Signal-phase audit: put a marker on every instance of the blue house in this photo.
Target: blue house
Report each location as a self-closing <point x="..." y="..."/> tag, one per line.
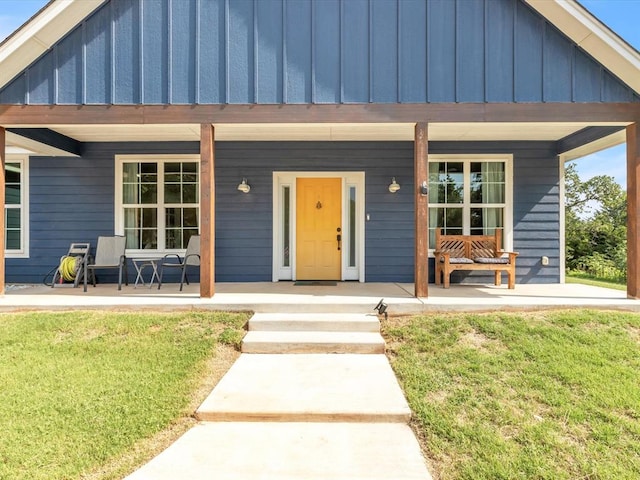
<point x="300" y="137"/>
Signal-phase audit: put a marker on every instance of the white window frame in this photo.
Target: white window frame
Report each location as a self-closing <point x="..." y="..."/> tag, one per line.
<point x="349" y="179"/>
<point x="160" y="205"/>
<point x="23" y="251"/>
<point x="466" y="206"/>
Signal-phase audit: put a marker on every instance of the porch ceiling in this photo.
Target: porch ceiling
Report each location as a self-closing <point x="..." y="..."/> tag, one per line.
<point x="322" y="131"/>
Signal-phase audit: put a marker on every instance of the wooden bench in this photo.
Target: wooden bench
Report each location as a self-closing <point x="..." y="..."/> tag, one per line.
<point x="473" y="252"/>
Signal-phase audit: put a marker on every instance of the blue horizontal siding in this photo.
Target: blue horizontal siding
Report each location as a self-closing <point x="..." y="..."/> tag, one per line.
<point x="248" y="218"/>
<point x="72" y="200"/>
<point x="314" y="51"/>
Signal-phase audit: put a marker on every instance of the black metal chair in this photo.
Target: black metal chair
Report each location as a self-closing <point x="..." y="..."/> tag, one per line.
<point x="191" y="258"/>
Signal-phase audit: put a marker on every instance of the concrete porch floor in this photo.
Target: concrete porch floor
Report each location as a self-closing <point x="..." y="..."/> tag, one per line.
<point x="344" y="297"/>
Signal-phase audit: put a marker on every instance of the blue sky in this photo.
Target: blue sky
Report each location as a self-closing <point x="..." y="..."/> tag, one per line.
<point x="622" y="16"/>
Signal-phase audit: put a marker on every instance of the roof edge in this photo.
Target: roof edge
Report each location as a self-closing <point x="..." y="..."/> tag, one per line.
<point x="593" y="36"/>
<point x="40" y="33"/>
<point x="596" y="146"/>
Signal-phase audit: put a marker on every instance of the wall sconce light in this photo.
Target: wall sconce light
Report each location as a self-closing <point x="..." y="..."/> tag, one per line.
<point x="381" y="308"/>
<point x="424" y="188"/>
<point x="394" y="186"/>
<point x="244" y="187"/>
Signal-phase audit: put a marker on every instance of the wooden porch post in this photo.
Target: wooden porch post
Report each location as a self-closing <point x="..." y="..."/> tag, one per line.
<point x="633" y="210"/>
<point x="207" y="211"/>
<point x="420" y="169"/>
<point x="3" y="161"/>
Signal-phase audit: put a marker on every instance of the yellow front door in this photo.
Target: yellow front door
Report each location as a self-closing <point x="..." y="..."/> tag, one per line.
<point x="318" y="228"/>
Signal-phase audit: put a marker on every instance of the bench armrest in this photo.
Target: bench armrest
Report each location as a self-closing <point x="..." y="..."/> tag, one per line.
<point x="512" y="255"/>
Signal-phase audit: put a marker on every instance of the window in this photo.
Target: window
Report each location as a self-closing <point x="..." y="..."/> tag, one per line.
<point x="353" y="219"/>
<point x="15" y="207"/>
<point x="286" y="225"/>
<point x="159" y="206"/>
<point x="469" y="196"/>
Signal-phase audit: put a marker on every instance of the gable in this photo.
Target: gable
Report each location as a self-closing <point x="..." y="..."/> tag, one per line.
<point x="310" y="51"/>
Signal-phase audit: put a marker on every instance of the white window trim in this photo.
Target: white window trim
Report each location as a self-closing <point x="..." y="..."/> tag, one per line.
<point x="507" y="235"/>
<point x="118" y="204"/>
<point x="24" y="206"/>
<point x="349" y="179"/>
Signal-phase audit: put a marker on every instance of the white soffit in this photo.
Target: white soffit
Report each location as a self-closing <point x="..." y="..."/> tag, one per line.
<point x="453" y="132"/>
<point x="323" y="132"/>
<point x="594" y="37"/>
<point x="40" y="33"/>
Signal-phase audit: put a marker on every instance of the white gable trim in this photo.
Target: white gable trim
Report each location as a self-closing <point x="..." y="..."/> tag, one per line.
<point x="594" y="37"/>
<point x="40" y="33"/>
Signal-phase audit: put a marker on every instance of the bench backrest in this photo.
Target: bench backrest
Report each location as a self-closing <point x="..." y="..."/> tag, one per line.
<point x="469" y="246"/>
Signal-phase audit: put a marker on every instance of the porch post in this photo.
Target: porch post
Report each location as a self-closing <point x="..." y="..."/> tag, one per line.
<point x="420" y="169"/>
<point x="633" y="210"/>
<point x="207" y="211"/>
<point x="3" y="160"/>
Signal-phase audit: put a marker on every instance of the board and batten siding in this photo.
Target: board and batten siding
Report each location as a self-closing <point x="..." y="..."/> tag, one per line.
<point x="314" y="51"/>
<point x="72" y="200"/>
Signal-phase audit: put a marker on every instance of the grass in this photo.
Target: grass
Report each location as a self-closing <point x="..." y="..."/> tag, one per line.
<point x="545" y="395"/>
<point x="81" y="391"/>
<point x="576" y="277"/>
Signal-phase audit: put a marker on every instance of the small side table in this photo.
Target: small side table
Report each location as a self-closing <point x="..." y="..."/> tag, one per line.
<point x="140" y="264"/>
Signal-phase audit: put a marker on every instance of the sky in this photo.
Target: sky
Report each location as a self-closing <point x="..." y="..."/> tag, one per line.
<point x="621" y="16"/>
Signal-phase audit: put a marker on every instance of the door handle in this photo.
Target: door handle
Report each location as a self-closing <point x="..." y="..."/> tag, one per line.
<point x="339" y="239"/>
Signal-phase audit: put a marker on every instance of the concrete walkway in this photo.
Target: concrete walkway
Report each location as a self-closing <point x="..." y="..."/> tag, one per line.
<point x="300" y="416"/>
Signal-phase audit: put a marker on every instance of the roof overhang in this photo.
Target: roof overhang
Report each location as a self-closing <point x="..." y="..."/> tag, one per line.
<point x="593" y="36"/>
<point x="40" y="33"/>
<point x="520" y="131"/>
<point x="438" y="132"/>
<point x="23" y="145"/>
<point x="598" y="145"/>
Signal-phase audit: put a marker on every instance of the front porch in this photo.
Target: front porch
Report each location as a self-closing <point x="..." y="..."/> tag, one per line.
<point x="343" y="297"/>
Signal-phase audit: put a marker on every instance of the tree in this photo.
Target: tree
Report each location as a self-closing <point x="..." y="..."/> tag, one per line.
<point x="596" y="225"/>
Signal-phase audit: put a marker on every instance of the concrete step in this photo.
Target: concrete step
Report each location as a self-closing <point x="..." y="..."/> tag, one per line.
<point x="307" y="388"/>
<point x="313" y="342"/>
<point x="318" y="322"/>
<point x="287" y="451"/>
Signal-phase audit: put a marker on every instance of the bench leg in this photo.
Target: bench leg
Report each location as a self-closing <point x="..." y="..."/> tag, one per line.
<point x="498" y="277"/>
<point x="438" y="274"/>
<point x="447" y="279"/>
<point x="512" y="279"/>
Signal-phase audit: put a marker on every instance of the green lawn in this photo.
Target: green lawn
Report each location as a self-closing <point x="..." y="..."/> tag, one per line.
<point x="545" y="395"/>
<point x="80" y="389"/>
<point x="574" y="277"/>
